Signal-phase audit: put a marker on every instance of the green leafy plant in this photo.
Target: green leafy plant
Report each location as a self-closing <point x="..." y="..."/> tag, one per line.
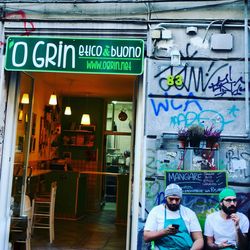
<point x="196" y="131"/>
<point x="196" y="134"/>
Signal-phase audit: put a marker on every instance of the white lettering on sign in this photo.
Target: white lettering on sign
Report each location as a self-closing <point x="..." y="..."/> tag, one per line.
<point x="125" y="51"/>
<point x="109" y="51"/>
<point x="51" y="53"/>
<point x="185" y="177"/>
<point x="54" y="55"/>
<point x="65" y="55"/>
<point x="36" y="60"/>
<point x="89" y="50"/>
<point x="78" y="55"/>
<point x="59" y="59"/>
<point x="25" y="54"/>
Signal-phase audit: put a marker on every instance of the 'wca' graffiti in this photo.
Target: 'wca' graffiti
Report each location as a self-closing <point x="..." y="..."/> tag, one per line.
<point x="190" y="111"/>
<point x="169" y="104"/>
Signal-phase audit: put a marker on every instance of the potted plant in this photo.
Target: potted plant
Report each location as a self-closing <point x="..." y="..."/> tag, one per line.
<point x="212" y="136"/>
<point x="183" y="137"/>
<point x="196" y="134"/>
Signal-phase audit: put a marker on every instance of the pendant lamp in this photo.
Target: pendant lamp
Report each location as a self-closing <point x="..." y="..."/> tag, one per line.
<point x="67" y="110"/>
<point x="85" y="119"/>
<point x="53" y="100"/>
<point x="25" y="98"/>
<point x="20" y="115"/>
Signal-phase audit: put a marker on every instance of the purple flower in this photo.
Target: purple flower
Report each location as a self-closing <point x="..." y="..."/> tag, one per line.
<point x="212" y="132"/>
<point x="183" y="133"/>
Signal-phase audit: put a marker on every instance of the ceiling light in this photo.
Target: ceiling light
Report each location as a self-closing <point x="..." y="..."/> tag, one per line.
<point x="67" y="110"/>
<point x="25" y="99"/>
<point x="85" y="119"/>
<point x="20" y="116"/>
<point x="53" y="100"/>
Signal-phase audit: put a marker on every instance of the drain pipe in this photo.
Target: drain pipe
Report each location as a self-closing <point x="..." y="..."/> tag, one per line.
<point x="246" y="66"/>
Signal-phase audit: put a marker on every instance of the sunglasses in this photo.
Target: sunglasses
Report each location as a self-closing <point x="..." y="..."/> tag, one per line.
<point x="173" y="199"/>
<point x="230" y="200"/>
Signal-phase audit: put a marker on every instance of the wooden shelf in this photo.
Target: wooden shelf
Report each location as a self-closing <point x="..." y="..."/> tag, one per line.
<point x="197" y="148"/>
<point x="82" y="128"/>
<point x="78" y="131"/>
<point x="75" y="145"/>
<point x="80" y="137"/>
<point x="117" y="133"/>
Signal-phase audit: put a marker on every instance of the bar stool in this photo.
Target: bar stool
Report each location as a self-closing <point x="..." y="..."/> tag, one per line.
<point x="43" y="209"/>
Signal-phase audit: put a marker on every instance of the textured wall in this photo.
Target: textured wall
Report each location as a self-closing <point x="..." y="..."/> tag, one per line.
<point x="210" y="91"/>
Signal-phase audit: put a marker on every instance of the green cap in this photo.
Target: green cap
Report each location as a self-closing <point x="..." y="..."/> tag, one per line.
<point x="226" y="192"/>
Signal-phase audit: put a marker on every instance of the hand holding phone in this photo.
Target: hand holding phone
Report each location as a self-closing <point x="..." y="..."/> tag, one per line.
<point x="172" y="228"/>
<point x="176" y="226"/>
<point x="231" y="244"/>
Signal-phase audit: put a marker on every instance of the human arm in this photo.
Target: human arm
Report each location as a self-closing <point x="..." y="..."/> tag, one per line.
<point x="195" y="231"/>
<point x="198" y="241"/>
<point x="154" y="226"/>
<point x="154" y="235"/>
<point x="241" y="238"/>
<point x="210" y="232"/>
<point x="211" y="245"/>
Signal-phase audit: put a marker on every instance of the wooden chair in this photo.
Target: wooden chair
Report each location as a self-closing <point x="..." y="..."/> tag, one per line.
<point x="43" y="209"/>
<point x="20" y="230"/>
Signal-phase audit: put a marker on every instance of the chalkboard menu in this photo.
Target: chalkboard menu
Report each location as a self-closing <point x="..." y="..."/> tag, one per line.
<point x="198" y="182"/>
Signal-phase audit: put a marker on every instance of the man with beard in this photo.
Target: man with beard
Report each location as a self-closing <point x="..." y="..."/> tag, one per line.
<point x="227" y="229"/>
<point x="173" y="226"/>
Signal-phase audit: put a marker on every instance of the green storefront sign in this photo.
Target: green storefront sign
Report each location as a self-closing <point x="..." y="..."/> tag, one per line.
<point x="75" y="55"/>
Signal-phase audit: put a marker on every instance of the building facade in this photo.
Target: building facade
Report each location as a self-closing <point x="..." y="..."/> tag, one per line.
<point x="195" y="71"/>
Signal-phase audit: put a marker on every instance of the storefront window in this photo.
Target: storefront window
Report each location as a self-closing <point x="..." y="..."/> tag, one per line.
<point x="25" y="143"/>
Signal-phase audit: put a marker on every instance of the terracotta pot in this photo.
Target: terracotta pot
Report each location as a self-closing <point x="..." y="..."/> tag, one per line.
<point x="211" y="141"/>
<point x="195" y="143"/>
<point x="183" y="143"/>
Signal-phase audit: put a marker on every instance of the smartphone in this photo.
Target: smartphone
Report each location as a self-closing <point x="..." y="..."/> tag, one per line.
<point x="176" y="226"/>
<point x="231" y="244"/>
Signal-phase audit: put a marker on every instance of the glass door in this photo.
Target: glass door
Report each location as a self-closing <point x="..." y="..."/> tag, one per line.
<point x="23" y="143"/>
<point x="117" y="145"/>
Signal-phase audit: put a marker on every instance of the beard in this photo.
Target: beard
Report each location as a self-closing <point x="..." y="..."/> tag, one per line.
<point x="173" y="207"/>
<point x="229" y="210"/>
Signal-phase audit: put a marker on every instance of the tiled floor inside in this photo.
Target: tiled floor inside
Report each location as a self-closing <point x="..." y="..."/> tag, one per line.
<point x="94" y="231"/>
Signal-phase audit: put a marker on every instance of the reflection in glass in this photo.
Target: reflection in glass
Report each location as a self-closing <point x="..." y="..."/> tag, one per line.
<point x="22" y="143"/>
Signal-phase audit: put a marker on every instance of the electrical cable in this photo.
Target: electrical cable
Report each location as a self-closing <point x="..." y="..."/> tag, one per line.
<point x="108" y="1"/>
<point x="208" y="27"/>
